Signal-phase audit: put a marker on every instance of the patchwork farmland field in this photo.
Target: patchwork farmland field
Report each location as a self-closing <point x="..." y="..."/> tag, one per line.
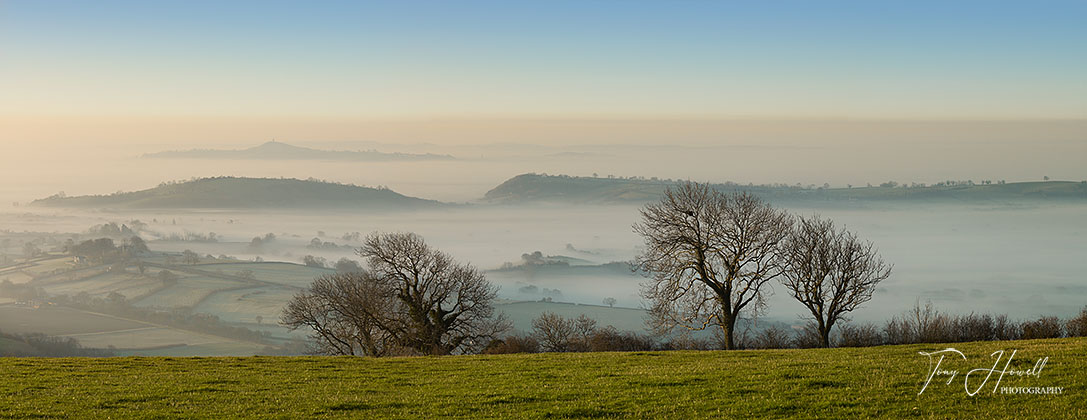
<point x="59" y="321"/>
<point x="128" y="283"/>
<point x="287" y="274"/>
<point x="245" y="305"/>
<point x="215" y="288"/>
<point x="20" y="273"/>
<point x="129" y="337"/>
<point x="188" y="292"/>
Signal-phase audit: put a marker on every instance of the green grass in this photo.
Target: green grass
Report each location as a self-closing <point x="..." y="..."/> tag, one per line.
<point x="830" y="383"/>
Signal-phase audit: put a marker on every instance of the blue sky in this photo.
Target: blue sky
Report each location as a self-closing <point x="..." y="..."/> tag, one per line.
<point x="805" y="59"/>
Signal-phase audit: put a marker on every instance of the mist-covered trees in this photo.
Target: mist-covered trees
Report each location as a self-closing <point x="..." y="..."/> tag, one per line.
<point x="344" y="265"/>
<point x="190" y="257"/>
<point x="829" y="271"/>
<point x="30" y="250"/>
<point x="314" y="261"/>
<point x="412" y="299"/>
<point x="709" y="256"/>
<point x="96" y="250"/>
<point x="136" y="246"/>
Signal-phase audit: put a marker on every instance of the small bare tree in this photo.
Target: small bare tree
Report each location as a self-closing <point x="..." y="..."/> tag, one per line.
<point x="346" y="313"/>
<point x="829" y="271"/>
<point x="558" y="334"/>
<point x="709" y="255"/>
<point x="443" y="306"/>
<point x="553" y="332"/>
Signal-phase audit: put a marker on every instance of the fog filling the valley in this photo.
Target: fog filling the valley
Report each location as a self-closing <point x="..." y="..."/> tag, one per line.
<point x="1023" y="260"/>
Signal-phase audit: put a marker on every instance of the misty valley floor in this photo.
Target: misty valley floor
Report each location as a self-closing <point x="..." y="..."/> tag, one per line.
<point x="839" y="383"/>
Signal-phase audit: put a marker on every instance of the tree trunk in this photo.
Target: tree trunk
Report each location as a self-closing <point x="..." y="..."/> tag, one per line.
<point x="728" y="327"/>
<point x="824" y="332"/>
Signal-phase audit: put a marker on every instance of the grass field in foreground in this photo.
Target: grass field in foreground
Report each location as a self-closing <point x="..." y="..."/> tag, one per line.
<point x="826" y="383"/>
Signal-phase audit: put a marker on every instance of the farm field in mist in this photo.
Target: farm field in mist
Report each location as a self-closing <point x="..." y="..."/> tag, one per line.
<point x="1020" y="260"/>
<point x="980" y="258"/>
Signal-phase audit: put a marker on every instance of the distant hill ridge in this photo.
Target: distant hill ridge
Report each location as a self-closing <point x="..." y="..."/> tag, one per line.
<point x="585" y="190"/>
<point x="275" y="150"/>
<point x="232" y="192"/>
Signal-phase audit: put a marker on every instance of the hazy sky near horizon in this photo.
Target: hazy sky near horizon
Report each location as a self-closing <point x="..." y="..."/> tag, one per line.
<point x="134" y="60"/>
<point x="848" y="92"/>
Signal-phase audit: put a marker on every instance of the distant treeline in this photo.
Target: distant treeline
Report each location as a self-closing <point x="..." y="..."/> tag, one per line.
<point x="41" y="345"/>
<point x="922" y="324"/>
<point x="572" y="189"/>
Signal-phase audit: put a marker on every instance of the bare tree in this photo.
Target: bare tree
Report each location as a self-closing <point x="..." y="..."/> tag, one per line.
<point x="443" y="306"/>
<point x="709" y="255"/>
<point x="412" y="300"/>
<point x="553" y="332"/>
<point x="829" y="271"/>
<point x="610" y="301"/>
<point x="558" y="334"/>
<point x="345" y="311"/>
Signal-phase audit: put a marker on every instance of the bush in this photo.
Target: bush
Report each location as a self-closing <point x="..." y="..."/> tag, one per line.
<point x="862" y="335"/>
<point x="974" y="328"/>
<point x="1077" y="326"/>
<point x="930" y="326"/>
<point x="558" y="334"/>
<point x="686" y="342"/>
<point x="1003" y="329"/>
<point x="1044" y="327"/>
<point x="772" y="337"/>
<point x="808" y="337"/>
<point x="512" y="344"/>
<point x="610" y="339"/>
<point x="899" y="331"/>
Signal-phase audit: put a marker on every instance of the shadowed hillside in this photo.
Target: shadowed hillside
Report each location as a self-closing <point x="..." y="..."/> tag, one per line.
<point x="264" y="193"/>
<point x="584" y="190"/>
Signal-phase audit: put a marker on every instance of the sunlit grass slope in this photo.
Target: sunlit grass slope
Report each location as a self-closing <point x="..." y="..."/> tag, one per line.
<point x="831" y="383"/>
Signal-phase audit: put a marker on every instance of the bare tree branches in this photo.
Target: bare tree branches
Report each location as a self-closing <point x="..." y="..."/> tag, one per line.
<point x="829" y="271"/>
<point x="446" y="306"/>
<point x="345" y="312"/>
<point x="413" y="299"/>
<point x="709" y="254"/>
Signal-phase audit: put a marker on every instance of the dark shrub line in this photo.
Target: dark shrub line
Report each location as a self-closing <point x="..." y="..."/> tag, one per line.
<point x="922" y="324"/>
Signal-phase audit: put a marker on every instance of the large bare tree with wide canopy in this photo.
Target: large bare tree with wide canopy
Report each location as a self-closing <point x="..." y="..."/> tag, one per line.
<point x="710" y="256"/>
<point x="411" y="299"/>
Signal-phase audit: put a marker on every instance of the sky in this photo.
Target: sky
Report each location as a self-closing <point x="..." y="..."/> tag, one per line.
<point x="866" y="82"/>
<point x="579" y="59"/>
